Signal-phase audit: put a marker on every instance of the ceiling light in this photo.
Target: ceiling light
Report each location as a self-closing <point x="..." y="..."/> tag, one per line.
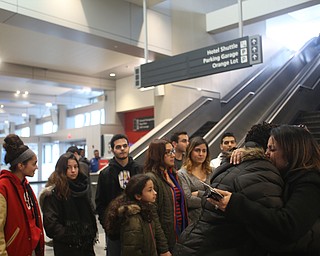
<point x="24" y="115"/>
<point x="48" y="104"/>
<point x="112" y="74"/>
<point x="1" y="106"/>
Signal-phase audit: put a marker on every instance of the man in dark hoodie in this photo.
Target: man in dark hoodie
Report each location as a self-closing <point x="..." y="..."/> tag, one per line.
<point x="113" y="180"/>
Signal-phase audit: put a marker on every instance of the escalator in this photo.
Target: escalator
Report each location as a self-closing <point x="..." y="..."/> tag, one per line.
<point x="254" y="100"/>
<point x="278" y="100"/>
<point x="204" y="110"/>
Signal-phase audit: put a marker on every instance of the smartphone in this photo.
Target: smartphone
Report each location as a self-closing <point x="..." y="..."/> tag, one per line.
<point x="214" y="194"/>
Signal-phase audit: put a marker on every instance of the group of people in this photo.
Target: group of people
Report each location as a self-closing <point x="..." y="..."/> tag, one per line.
<point x="269" y="204"/>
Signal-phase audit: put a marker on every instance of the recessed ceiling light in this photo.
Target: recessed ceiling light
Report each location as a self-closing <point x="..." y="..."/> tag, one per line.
<point x="112" y="74"/>
<point x="25" y="94"/>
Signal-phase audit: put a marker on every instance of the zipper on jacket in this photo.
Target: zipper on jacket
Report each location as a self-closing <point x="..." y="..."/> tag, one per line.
<point x="14" y="235"/>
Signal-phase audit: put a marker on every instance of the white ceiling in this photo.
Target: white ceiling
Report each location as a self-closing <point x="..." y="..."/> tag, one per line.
<point x="33" y="49"/>
<point x="27" y="54"/>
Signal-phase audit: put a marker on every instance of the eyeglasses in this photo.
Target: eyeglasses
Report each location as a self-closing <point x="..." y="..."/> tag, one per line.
<point x="170" y="152"/>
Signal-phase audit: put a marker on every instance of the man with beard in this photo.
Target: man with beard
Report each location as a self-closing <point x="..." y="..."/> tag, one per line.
<point x="113" y="180"/>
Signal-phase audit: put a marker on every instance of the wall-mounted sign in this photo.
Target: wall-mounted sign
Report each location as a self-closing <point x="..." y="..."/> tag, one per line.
<point x="143" y="124"/>
<point x="235" y="54"/>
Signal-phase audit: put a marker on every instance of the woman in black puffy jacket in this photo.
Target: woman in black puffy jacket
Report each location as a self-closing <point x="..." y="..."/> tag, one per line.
<point x="258" y="179"/>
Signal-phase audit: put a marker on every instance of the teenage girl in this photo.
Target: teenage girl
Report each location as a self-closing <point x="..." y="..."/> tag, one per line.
<point x="68" y="216"/>
<point x="21" y="231"/>
<point x="129" y="217"/>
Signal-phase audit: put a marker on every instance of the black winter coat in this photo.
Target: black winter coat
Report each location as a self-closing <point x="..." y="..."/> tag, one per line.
<point x="70" y="222"/>
<point x="295" y="228"/>
<point x="108" y="187"/>
<point x="213" y="234"/>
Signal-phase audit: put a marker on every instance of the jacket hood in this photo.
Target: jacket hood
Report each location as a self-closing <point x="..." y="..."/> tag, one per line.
<point x="45" y="192"/>
<point x="254" y="153"/>
<point x="127" y="210"/>
<point x="250" y="153"/>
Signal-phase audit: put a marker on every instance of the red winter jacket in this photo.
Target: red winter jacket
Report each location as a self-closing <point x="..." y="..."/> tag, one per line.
<point x="21" y="230"/>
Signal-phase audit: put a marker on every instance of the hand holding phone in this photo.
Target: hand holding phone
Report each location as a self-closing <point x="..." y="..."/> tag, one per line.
<point x="214" y="194"/>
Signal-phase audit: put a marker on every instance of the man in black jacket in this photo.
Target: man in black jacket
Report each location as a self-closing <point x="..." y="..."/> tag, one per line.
<point x="113" y="180"/>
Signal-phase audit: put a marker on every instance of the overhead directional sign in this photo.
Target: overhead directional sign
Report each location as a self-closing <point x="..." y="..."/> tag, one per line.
<point x="235" y="54"/>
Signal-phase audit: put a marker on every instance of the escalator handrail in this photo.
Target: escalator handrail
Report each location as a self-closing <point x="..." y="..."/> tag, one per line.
<point x="285" y="99"/>
<point x="223" y="123"/>
<point x="233" y="113"/>
<point x="288" y="94"/>
<point x="279" y="71"/>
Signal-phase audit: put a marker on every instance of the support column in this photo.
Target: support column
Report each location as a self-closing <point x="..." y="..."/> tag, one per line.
<point x="32" y="125"/>
<point x="62" y="117"/>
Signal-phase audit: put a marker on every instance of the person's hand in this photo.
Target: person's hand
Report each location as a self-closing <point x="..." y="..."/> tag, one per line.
<point x="166" y="254"/>
<point x="236" y="156"/>
<point x="222" y="203"/>
<point x="195" y="193"/>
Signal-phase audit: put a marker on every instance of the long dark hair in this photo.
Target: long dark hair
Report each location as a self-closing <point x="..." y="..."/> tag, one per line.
<point x="134" y="187"/>
<point x="155" y="156"/>
<point x="299" y="147"/>
<point x="59" y="177"/>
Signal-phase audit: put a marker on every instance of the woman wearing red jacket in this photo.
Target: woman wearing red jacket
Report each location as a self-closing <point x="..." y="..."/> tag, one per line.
<point x="21" y="231"/>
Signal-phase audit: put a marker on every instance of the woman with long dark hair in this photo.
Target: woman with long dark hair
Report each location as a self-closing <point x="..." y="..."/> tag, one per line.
<point x="170" y="203"/>
<point x="68" y="216"/>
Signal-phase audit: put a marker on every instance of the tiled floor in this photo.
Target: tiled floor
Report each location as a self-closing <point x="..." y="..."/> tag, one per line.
<point x="99" y="247"/>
